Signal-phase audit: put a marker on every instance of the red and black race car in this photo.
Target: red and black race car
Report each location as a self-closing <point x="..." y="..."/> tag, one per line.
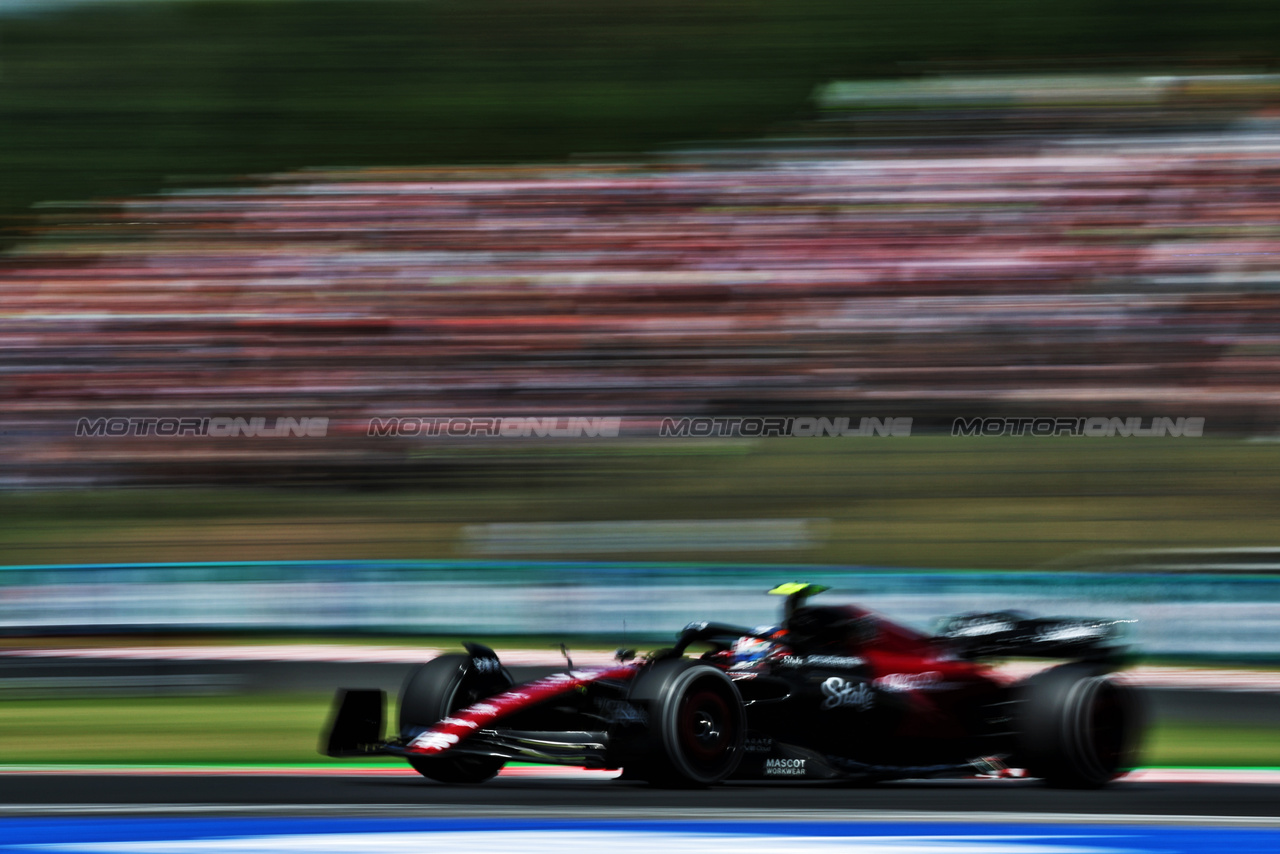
<point x="833" y="692"/>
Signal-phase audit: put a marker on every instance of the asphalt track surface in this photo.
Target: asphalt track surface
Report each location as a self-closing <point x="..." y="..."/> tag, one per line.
<point x="597" y="797"/>
<point x="591" y="796"/>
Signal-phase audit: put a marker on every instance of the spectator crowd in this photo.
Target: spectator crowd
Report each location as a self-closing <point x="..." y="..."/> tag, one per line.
<point x="1079" y="275"/>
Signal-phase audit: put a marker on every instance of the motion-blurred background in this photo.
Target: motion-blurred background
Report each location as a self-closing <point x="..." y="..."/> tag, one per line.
<point x="348" y="220"/>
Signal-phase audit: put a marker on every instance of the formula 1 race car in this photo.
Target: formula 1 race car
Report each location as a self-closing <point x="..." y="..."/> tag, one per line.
<point x="833" y="692"/>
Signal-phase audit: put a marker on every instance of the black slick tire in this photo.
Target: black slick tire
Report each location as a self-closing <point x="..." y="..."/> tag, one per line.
<point x="434" y="690"/>
<point x="697" y="725"/>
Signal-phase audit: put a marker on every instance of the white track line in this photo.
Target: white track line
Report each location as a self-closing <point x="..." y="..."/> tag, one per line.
<point x="718" y="814"/>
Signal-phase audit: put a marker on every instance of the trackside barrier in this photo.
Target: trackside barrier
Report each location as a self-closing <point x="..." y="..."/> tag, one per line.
<point x="1177" y="613"/>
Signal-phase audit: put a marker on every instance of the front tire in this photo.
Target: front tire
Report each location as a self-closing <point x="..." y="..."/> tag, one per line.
<point x="432" y="692"/>
<point x="697" y="725"/>
<point x="1078" y="728"/>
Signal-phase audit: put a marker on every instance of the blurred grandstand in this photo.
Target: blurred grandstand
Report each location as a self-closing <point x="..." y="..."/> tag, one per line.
<point x="1020" y="271"/>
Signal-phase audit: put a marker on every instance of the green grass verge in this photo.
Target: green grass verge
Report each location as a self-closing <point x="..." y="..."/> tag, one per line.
<point x="922" y="501"/>
<point x="163" y="730"/>
<point x="1212" y="745"/>
<point x="285" y="728"/>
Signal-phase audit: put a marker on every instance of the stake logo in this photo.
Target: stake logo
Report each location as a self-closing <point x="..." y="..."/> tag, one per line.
<point x="843" y="694"/>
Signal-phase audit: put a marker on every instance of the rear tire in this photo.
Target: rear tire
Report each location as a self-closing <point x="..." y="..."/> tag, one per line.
<point x="1077" y="727"/>
<point x="434" y="691"/>
<point x="697" y="725"/>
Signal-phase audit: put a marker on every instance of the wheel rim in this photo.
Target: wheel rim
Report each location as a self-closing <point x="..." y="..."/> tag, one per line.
<point x="706" y="727"/>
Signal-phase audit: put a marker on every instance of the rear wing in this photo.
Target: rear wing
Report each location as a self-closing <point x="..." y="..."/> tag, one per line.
<point x="797" y="593"/>
<point x="1015" y="634"/>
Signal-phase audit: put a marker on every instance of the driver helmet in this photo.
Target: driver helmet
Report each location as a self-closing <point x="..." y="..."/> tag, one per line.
<point x="748" y="651"/>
